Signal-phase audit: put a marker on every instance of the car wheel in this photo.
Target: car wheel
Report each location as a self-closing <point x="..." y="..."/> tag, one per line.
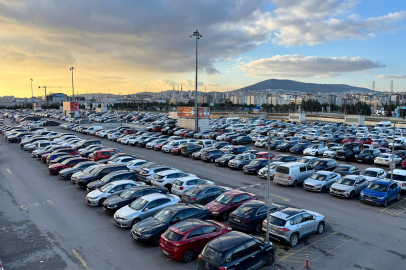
<point x="317" y="154"/>
<point x="294" y="239"/>
<point x="155" y="240"/>
<point x="294" y="183"/>
<point x="187" y="256"/>
<point x="101" y="201"/>
<point x="258" y="228"/>
<point x="70" y="175"/>
<point x="269" y="259"/>
<point x="352" y="195"/>
<point x="190" y="155"/>
<point x="204" y="202"/>
<point x="135" y="221"/>
<point x="320" y="228"/>
<point x="169" y="187"/>
<point x="211" y="160"/>
<point x="323" y="189"/>
<point x="225" y="216"/>
<point x="240" y="168"/>
<point x="385" y="203"/>
<point x="398" y="197"/>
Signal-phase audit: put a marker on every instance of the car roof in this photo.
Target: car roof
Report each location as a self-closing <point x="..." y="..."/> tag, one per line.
<point x="236" y="192"/>
<point x="254" y="203"/>
<point x="384" y="182"/>
<point x="373" y="169"/>
<point x="324" y="172"/>
<point x="169" y="172"/>
<point x="156" y="196"/>
<point x="287" y="213"/>
<point x="189" y="224"/>
<point x="229" y="241"/>
<point x="120" y="182"/>
<point x="400" y="172"/>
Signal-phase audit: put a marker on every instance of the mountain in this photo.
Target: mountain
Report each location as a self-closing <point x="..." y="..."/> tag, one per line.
<point x="312" y="88"/>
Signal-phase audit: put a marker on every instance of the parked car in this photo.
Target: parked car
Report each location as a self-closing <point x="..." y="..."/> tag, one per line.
<point x="240" y="161"/>
<point x="285" y="147"/>
<point x="112" y="177"/>
<point x="349" y="186"/>
<point x="380" y="192"/>
<point x="68" y="163"/>
<point x="211" y="155"/>
<point x="255" y="165"/>
<point x="284" y="158"/>
<point x="97" y="174"/>
<point x="315" y="150"/>
<point x="348" y="152"/>
<point x="386" y="159"/>
<point x="321" y="181"/>
<point x="98" y="196"/>
<point x="292" y="173"/>
<point x="344" y="170"/>
<point x="325" y="164"/>
<point x="367" y="155"/>
<point x="182" y="185"/>
<point x="203" y="194"/>
<point x="223" y="161"/>
<point x="299" y="147"/>
<point x="68" y="172"/>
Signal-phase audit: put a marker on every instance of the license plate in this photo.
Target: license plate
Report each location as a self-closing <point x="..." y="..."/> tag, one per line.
<point x="273" y="231"/>
<point x="165" y="252"/>
<point x="359" y="160"/>
<point x="236" y="219"/>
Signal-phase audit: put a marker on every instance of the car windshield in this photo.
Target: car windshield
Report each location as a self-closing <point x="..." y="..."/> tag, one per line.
<point x="127" y="194"/>
<point x="158" y="177"/>
<point x="106" y="188"/>
<point x="255" y="162"/>
<point x="164" y="216"/>
<point x="346" y="181"/>
<point x="377" y="187"/>
<point x="367" y="152"/>
<point x="138" y="204"/>
<point x="343" y="168"/>
<point x="107" y="178"/>
<point x="228" y="156"/>
<point x="224" y="199"/>
<point x="195" y="191"/>
<point x="397" y="177"/>
<point x="90" y="169"/>
<point x="238" y="157"/>
<point x="178" y="183"/>
<point x="303" y="160"/>
<point x="370" y="173"/>
<point x="398" y="141"/>
<point x="314" y="147"/>
<point x="319" y="177"/>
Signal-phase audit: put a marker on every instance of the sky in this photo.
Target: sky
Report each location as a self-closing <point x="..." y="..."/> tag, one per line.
<point x="131" y="46"/>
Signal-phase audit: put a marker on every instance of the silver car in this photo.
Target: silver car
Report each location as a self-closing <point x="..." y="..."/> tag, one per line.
<point x="321" y="181"/>
<point x="98" y="196"/>
<point x="143" y="208"/>
<point x="291" y="224"/>
<point x="349" y="186"/>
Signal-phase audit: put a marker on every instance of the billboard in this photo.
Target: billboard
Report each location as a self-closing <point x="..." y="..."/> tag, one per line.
<point x="189" y="112"/>
<point x="70" y="106"/>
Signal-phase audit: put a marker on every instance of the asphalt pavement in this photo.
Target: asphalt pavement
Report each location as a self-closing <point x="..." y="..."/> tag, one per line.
<point x="46" y="224"/>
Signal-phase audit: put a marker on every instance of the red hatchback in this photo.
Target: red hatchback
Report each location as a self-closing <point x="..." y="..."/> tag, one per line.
<point x="263" y="155"/>
<point x="158" y="147"/>
<point x="103" y="154"/>
<point x="186" y="239"/>
<point x="364" y="140"/>
<point x="130" y="131"/>
<point x="175" y="150"/>
<point x="349" y="139"/>
<point x="55" y="168"/>
<point x="227" y="202"/>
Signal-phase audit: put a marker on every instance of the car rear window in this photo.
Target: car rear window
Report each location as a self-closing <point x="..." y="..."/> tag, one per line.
<point x="212" y="254"/>
<point x="282" y="169"/>
<point x="178" y="183"/>
<point x="173" y="236"/>
<point x="276" y="221"/>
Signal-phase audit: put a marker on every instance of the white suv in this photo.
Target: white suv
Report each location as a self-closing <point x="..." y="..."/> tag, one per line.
<point x="167" y="178"/>
<point x="181" y="185"/>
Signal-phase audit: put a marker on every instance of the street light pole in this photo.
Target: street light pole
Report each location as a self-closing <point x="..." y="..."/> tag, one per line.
<point x="269" y="199"/>
<point x="73" y="90"/>
<point x="32" y="94"/>
<point x="198" y="36"/>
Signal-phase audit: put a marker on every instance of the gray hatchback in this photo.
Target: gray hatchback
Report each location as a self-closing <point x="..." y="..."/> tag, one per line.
<point x="291" y="224"/>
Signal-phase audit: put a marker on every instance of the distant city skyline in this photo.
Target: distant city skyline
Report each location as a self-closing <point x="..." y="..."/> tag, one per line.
<point x="128" y="49"/>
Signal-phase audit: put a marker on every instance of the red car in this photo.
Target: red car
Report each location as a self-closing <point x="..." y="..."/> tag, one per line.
<point x="186" y="239"/>
<point x="175" y="150"/>
<point x="103" y="154"/>
<point x="349" y="139"/>
<point x="228" y="202"/>
<point x="364" y="140"/>
<point x="158" y="147"/>
<point x="55" y="168"/>
<point x="63" y="150"/>
<point x="183" y="133"/>
<point x="263" y="155"/>
<point x="404" y="164"/>
<point x="157" y="128"/>
<point x="130" y="131"/>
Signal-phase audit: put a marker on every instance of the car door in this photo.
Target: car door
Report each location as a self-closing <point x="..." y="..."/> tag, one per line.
<point x="309" y="224"/>
<point x="239" y="259"/>
<point x="392" y="192"/>
<point x="360" y="185"/>
<point x="211" y="193"/>
<point x="236" y="202"/>
<point x="149" y="210"/>
<point x="197" y="240"/>
<point x="254" y="255"/>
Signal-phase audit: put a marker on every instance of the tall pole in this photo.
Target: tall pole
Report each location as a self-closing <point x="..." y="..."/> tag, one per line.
<point x="269" y="200"/>
<point x="198" y="36"/>
<point x="393" y="152"/>
<point x="73" y="90"/>
<point x="32" y="94"/>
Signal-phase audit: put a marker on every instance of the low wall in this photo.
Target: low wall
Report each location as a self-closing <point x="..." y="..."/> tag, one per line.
<point x="134" y="126"/>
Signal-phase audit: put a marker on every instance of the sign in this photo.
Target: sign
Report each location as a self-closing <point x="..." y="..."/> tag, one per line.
<point x="392" y="166"/>
<point x="70" y="106"/>
<point x="268" y="201"/>
<point x="189" y="112"/>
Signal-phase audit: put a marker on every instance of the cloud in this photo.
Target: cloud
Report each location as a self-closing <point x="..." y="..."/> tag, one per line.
<point x="166" y="82"/>
<point x="397" y="76"/>
<point x="306" y="66"/>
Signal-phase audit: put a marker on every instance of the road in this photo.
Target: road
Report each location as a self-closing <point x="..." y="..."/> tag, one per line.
<point x="46" y="224"/>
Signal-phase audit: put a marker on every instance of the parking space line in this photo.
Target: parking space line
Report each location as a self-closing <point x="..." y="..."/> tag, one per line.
<point x="346" y="242"/>
<point x="80" y="258"/>
<point x="9" y="171"/>
<point x="396" y="209"/>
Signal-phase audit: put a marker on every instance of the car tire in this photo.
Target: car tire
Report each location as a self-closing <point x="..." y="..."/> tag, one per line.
<point x="398" y="196"/>
<point x="187" y="256"/>
<point x="294" y="183"/>
<point x="101" y="201"/>
<point x="320" y="228"/>
<point x="258" y="228"/>
<point x="352" y="195"/>
<point x="169" y="187"/>
<point x="211" y="160"/>
<point x="385" y="204"/>
<point x="294" y="239"/>
<point x="316" y="154"/>
<point x="270" y="259"/>
<point x="323" y="189"/>
<point x="204" y="202"/>
<point x="240" y="167"/>
<point x="155" y="240"/>
<point x="224" y="217"/>
<point x="190" y="155"/>
<point x="135" y="221"/>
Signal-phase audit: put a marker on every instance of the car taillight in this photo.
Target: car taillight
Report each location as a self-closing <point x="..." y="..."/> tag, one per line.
<point x="179" y="201"/>
<point x="198" y="257"/>
<point x="247" y="221"/>
<point x="284" y="229"/>
<point x="222" y="268"/>
<point x="181" y="188"/>
<point x="290" y="178"/>
<point x="192" y="199"/>
<point x="387" y="160"/>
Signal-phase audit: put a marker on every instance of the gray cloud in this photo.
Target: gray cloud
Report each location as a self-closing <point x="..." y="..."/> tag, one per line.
<point x="166" y="82"/>
<point x="306" y="66"/>
<point x="396" y="76"/>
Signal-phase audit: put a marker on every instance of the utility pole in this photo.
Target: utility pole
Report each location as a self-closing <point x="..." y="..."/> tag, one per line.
<point x="32" y="94"/>
<point x="73" y="90"/>
<point x="198" y="36"/>
<point x="268" y="199"/>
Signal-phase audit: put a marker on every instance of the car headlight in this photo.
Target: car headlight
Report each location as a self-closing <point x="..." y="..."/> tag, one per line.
<point x="317" y="185"/>
<point x="126" y="218"/>
<point x="381" y="198"/>
<point x="146" y="235"/>
<point x="91" y="198"/>
<point x="215" y="213"/>
<point x="111" y="206"/>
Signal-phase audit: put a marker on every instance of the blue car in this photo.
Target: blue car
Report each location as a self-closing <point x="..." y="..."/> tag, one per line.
<point x="298" y="148"/>
<point x="380" y="192"/>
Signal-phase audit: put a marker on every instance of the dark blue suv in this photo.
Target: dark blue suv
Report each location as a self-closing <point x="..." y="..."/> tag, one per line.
<point x="298" y="148"/>
<point x="380" y="192"/>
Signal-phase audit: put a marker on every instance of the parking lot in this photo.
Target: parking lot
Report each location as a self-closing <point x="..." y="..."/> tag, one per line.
<point x="45" y="221"/>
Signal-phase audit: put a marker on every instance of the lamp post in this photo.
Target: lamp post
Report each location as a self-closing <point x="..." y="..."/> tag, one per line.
<point x="268" y="200"/>
<point x="32" y="94"/>
<point x="73" y="90"/>
<point x="392" y="165"/>
<point x="198" y="36"/>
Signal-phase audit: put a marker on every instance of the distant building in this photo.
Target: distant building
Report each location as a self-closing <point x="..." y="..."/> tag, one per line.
<point x="55" y="98"/>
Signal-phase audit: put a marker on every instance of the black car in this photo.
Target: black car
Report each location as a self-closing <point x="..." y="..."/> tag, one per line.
<point x="401" y="154"/>
<point x="211" y="155"/>
<point x="51" y="123"/>
<point x="274" y="144"/>
<point x="203" y="194"/>
<point x="223" y="161"/>
<point x="219" y="145"/>
<point x="236" y="250"/>
<point x="250" y="215"/>
<point x="238" y="149"/>
<point x="367" y="155"/>
<point x="190" y="134"/>
<point x="231" y="137"/>
<point x="17" y="137"/>
<point x="285" y="147"/>
<point x="149" y="230"/>
<point x="284" y="158"/>
<point x="254" y="166"/>
<point x="112" y="204"/>
<point x="111" y="177"/>
<point x="188" y="149"/>
<point x="242" y="140"/>
<point x="347" y="170"/>
<point x="100" y="172"/>
<point x="68" y="172"/>
<point x="325" y="164"/>
<point x="348" y="152"/>
<point x="336" y="138"/>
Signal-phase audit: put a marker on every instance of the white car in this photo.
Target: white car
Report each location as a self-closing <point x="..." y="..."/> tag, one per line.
<point x="331" y="152"/>
<point x="181" y="185"/>
<point x="263" y="172"/>
<point x="399" y="176"/>
<point x="168" y="178"/>
<point x="121" y="160"/>
<point x="386" y="159"/>
<point x="321" y="181"/>
<point x="256" y="138"/>
<point x="133" y="164"/>
<point x="315" y="150"/>
<point x="374" y="173"/>
<point x="113" y="136"/>
<point x="126" y="139"/>
<point x="98" y="196"/>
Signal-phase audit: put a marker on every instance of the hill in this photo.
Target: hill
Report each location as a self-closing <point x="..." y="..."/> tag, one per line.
<point x="312" y="88"/>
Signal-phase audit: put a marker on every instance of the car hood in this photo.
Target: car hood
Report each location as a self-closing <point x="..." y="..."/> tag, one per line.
<point x="56" y="165"/>
<point x="85" y="175"/>
<point x="125" y="211"/>
<point x="149" y="225"/>
<point x="343" y="152"/>
<point x="374" y="193"/>
<point x="116" y="200"/>
<point x="216" y="207"/>
<point x="96" y="184"/>
<point x="94" y="193"/>
<point x="313" y="182"/>
<point x="340" y="186"/>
